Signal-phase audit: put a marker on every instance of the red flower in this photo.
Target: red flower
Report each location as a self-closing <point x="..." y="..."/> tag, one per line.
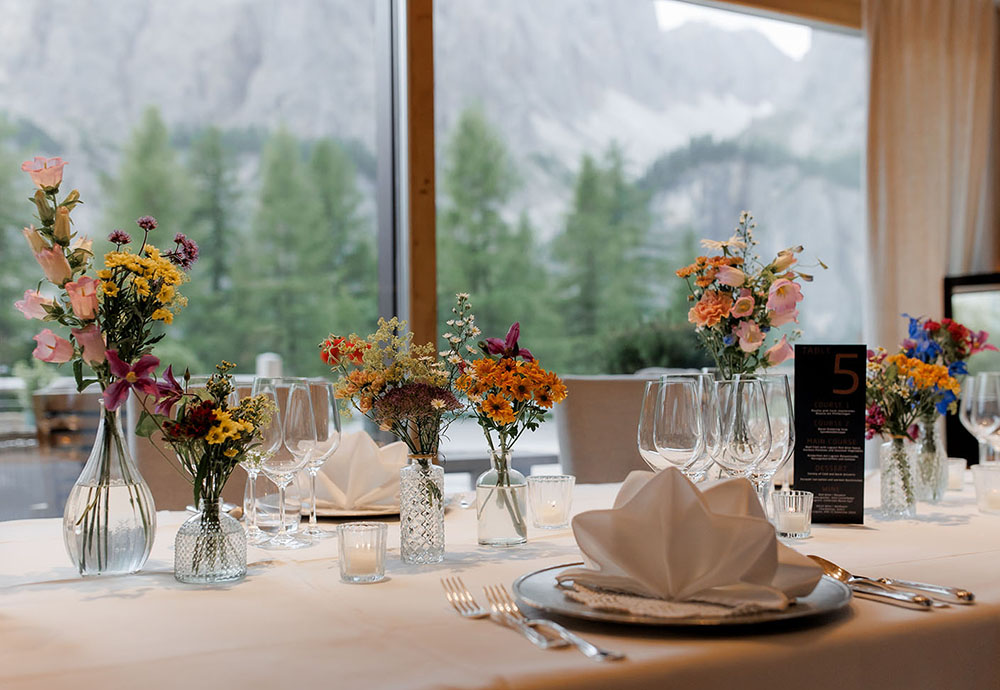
<point x="331" y="350"/>
<point x="356" y="354"/>
<point x="931" y="326"/>
<point x="136" y="375"/>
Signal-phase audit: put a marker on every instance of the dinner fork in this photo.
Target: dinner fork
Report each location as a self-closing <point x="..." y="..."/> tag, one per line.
<point x="461" y="600"/>
<point x="500" y="600"/>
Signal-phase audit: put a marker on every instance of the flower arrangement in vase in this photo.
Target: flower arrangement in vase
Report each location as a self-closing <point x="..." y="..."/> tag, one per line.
<point x="738" y="301"/>
<point x="950" y="344"/>
<point x="510" y="393"/>
<point x="210" y="434"/>
<point x="900" y="391"/>
<point x="406" y="390"/>
<point x="114" y="315"/>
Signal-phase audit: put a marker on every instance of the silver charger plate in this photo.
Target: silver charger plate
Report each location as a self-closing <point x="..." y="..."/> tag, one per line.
<point x="539" y="590"/>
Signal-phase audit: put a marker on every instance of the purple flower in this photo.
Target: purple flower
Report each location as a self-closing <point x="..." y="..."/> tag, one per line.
<point x="128" y="376"/>
<point x="147" y="223"/>
<point x="508" y="346"/>
<point x="169" y="392"/>
<point x="186" y="252"/>
<point x="414" y="401"/>
<point x="119" y="237"/>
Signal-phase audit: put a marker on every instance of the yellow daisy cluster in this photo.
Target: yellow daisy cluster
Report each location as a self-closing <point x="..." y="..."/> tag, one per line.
<point x="148" y="275"/>
<point x="924" y="375"/>
<point x="226" y="428"/>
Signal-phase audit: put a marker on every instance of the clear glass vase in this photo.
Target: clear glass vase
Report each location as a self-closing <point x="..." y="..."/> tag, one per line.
<point x="899" y="498"/>
<point x="421" y="511"/>
<point x="110" y="519"/>
<point x="210" y="547"/>
<point x="501" y="503"/>
<point x="930" y="460"/>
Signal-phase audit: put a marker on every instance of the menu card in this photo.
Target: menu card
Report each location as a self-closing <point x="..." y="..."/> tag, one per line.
<point x="830" y="429"/>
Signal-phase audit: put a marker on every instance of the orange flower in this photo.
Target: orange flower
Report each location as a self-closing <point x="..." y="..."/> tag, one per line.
<point x="710" y="309"/>
<point x="521" y="388"/>
<point x="687" y="271"/>
<point x="498" y="409"/>
<point x="543" y="397"/>
<point x="706" y="279"/>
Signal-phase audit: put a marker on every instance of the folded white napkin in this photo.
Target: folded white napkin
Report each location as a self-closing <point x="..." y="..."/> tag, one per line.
<point x="667" y="548"/>
<point x="360" y="475"/>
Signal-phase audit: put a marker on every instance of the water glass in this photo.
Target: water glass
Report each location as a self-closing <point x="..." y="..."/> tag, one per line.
<point x="792" y="513"/>
<point x="550" y="497"/>
<point x="987" y="481"/>
<point x="677" y="424"/>
<point x="956" y="473"/>
<point x="745" y="439"/>
<point x="362" y="551"/>
<point x="327" y="419"/>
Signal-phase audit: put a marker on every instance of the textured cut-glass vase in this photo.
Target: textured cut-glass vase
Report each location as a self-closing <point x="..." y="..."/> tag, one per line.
<point x="210" y="547"/>
<point x="930" y="462"/>
<point x="501" y="503"/>
<point x="421" y="510"/>
<point x="899" y="498"/>
<point x="110" y="519"/>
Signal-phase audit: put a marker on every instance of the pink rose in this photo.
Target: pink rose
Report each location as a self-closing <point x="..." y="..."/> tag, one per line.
<point x="52" y="348"/>
<point x="779" y="352"/>
<point x="783" y="295"/>
<point x="731" y="276"/>
<point x="83" y="297"/>
<point x="53" y="262"/>
<point x="92" y="342"/>
<point x="32" y="306"/>
<point x="780" y="319"/>
<point x="45" y="172"/>
<point x="750" y="335"/>
<point x="744" y="305"/>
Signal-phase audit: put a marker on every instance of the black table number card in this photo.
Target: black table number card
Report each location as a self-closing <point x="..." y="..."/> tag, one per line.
<point x="830" y="429"/>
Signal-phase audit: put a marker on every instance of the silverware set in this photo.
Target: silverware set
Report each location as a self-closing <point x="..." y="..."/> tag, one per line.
<point x="543" y="633"/>
<point x="915" y="595"/>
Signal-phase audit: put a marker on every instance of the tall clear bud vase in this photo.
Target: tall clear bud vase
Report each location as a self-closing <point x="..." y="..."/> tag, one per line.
<point x="930" y="460"/>
<point x="501" y="503"/>
<point x="110" y="519"/>
<point x="899" y="499"/>
<point x="421" y="511"/>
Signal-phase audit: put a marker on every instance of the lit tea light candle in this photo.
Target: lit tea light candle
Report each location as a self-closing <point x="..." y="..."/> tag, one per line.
<point x="362" y="551"/>
<point x="551" y="514"/>
<point x="956" y="474"/>
<point x="360" y="560"/>
<point x="992" y="499"/>
<point x="793" y="523"/>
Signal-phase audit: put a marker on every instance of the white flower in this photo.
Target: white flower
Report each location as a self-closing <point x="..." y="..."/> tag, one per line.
<point x="470" y="349"/>
<point x="455" y="359"/>
<point x="444" y="353"/>
<point x="437" y="404"/>
<point x="462" y="296"/>
<point x="732" y="242"/>
<point x="447" y="336"/>
<point x="455" y="339"/>
<point x="474" y="331"/>
<point x="459" y="323"/>
<point x="450" y="322"/>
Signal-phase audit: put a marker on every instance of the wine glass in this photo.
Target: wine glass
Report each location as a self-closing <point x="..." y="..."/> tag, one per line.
<point x="677" y="424"/>
<point x="647" y="449"/>
<point x="299" y="431"/>
<point x="745" y="432"/>
<point x="778" y="396"/>
<point x="253" y="459"/>
<point x="980" y="410"/>
<point x="327" y="417"/>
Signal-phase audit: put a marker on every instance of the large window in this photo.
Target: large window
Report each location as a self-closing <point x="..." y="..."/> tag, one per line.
<point x="249" y="126"/>
<point x="585" y="148"/>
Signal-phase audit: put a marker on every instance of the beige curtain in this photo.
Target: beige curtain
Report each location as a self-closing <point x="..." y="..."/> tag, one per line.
<point x="931" y="135"/>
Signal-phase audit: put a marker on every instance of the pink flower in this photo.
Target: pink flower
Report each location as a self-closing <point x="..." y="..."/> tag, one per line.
<point x="129" y="376"/>
<point x="53" y="262"/>
<point x="34" y="239"/>
<point x="779" y="352"/>
<point x="731" y="276"/>
<point x="169" y="392"/>
<point x="92" y="342"/>
<point x="783" y="295"/>
<point x="786" y="257"/>
<point x="508" y="346"/>
<point x="52" y="348"/>
<point x="45" y="172"/>
<point x="83" y="297"/>
<point x="750" y="335"/>
<point x="743" y="306"/>
<point x="780" y="319"/>
<point x="32" y="306"/>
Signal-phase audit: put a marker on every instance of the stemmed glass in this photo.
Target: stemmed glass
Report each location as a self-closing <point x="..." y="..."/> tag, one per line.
<point x="745" y="432"/>
<point x="647" y="415"/>
<point x="677" y="424"/>
<point x="778" y="397"/>
<point x="327" y="417"/>
<point x="271" y="438"/>
<point x="980" y="410"/>
<point x="299" y="430"/>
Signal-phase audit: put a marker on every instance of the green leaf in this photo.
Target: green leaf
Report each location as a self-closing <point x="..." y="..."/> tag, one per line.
<point x="78" y="374"/>
<point x="147" y="424"/>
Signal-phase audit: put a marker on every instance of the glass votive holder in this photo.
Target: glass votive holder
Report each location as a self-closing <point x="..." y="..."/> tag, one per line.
<point x="362" y="551"/>
<point x="550" y="497"/>
<point x="792" y="513"/>
<point x="987" y="481"/>
<point x="956" y="473"/>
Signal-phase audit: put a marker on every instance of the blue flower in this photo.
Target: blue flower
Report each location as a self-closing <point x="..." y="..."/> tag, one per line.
<point x="957" y="368"/>
<point x="728" y="340"/>
<point x="916" y="328"/>
<point x="765" y="329"/>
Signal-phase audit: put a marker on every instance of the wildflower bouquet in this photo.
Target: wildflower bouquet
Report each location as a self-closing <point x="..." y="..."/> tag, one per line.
<point x="944" y="342"/>
<point x="738" y="300"/>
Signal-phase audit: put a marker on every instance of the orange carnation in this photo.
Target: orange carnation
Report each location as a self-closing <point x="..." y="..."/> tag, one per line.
<point x="710" y="309"/>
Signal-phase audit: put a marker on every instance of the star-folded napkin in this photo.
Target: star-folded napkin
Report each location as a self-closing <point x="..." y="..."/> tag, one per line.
<point x="360" y="475"/>
<point x="666" y="540"/>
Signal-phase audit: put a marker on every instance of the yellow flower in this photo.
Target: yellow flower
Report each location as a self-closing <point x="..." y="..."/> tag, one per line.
<point x="104" y="274"/>
<point x="141" y="286"/>
<point x="165" y="294"/>
<point x="215" y="436"/>
<point x="163" y="315"/>
<point x="110" y="289"/>
<point x="230" y="452"/>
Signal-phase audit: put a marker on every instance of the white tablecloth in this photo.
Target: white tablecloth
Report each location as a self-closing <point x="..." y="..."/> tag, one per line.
<point x="292" y="623"/>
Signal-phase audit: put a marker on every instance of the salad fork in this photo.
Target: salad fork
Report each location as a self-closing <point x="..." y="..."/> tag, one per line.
<point x="464" y="603"/>
<point x="501" y="601"/>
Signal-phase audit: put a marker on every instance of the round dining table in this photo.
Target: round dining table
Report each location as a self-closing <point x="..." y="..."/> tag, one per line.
<point x="292" y="623"/>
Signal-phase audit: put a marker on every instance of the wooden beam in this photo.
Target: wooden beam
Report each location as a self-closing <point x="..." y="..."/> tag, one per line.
<point x="422" y="211"/>
<point x="846" y="13"/>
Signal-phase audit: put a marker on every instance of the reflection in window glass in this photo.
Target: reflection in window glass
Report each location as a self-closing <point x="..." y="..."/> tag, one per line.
<point x="585" y="147"/>
<point x="247" y="126"/>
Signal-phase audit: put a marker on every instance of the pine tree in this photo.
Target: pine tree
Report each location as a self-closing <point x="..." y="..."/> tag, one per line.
<point x="18" y="270"/>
